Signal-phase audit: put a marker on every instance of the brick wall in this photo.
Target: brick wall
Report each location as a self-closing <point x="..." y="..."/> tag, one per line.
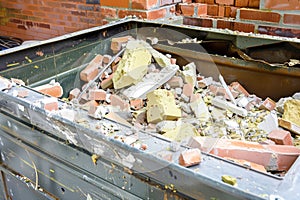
<point x="272" y="17"/>
<point x="43" y="19"/>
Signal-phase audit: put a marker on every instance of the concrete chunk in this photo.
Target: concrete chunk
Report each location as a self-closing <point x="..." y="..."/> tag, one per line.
<point x="292" y="111"/>
<point x="161" y="106"/>
<point x="133" y="65"/>
<point x="189" y="73"/>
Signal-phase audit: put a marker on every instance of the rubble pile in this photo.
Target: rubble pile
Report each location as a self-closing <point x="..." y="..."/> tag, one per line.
<point x="183" y="106"/>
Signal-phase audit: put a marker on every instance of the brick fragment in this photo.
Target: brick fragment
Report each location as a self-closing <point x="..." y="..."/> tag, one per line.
<point x="188" y="90"/>
<point x="107" y="83"/>
<point x="117" y="101"/>
<point x="238" y="87"/>
<point x="97" y="94"/>
<point x="5" y="83"/>
<point x="289" y="126"/>
<point x="74" y="93"/>
<point x="272" y="157"/>
<point x="248" y="164"/>
<point x="106" y="58"/>
<point x="117" y="42"/>
<point x="17" y="81"/>
<point x="54" y="90"/>
<point x="22" y="93"/>
<point x="92" y="70"/>
<point x="281" y="137"/>
<point x="49" y="104"/>
<point x="190" y="157"/>
<point x="136" y="104"/>
<point x="268" y="104"/>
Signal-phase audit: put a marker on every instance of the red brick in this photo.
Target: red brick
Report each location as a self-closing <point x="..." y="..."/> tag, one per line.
<point x="281" y="137"/>
<point x="244" y="27"/>
<point x="144" y="4"/>
<point x="97" y="94"/>
<point x="238" y="87"/>
<point x="224" y="24"/>
<point x="225" y="2"/>
<point x="106" y="58"/>
<point x="74" y="93"/>
<point x="241" y="3"/>
<point x="136" y="104"/>
<point x="23" y="93"/>
<point x="272" y="157"/>
<point x="233" y="11"/>
<point x="212" y="10"/>
<point x="119" y="3"/>
<point x="282" y="4"/>
<point x="252" y="14"/>
<point x="117" y="101"/>
<point x="268" y="104"/>
<point x="248" y="164"/>
<point x="50" y="104"/>
<point x="54" y="90"/>
<point x="253" y="3"/>
<point x="227" y="12"/>
<point x="117" y="42"/>
<point x="188" y="90"/>
<point x="205" y="1"/>
<point x="193" y="9"/>
<point x="109" y="12"/>
<point x="202" y="22"/>
<point x="107" y="83"/>
<point x="291" y="19"/>
<point x="190" y="157"/>
<point x="92" y="70"/>
<point x="279" y="31"/>
<point x="221" y="11"/>
<point x="150" y="14"/>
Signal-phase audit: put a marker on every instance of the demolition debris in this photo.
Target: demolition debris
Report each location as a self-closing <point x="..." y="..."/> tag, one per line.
<point x="147" y="90"/>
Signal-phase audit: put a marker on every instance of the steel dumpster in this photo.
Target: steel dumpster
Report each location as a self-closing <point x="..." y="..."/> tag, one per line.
<point x="47" y="156"/>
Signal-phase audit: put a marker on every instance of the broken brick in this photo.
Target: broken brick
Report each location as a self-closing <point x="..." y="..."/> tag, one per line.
<point x="74" y="93"/>
<point x="188" y="90"/>
<point x="54" y="90"/>
<point x="107" y="83"/>
<point x="89" y="74"/>
<point x="4" y="84"/>
<point x="97" y="94"/>
<point x="50" y="104"/>
<point x="239" y="88"/>
<point x="136" y="104"/>
<point x="190" y="157"/>
<point x="272" y="157"/>
<point x="248" y="164"/>
<point x="117" y="42"/>
<point x="268" y="104"/>
<point x="23" y="93"/>
<point x="289" y="126"/>
<point x="117" y="101"/>
<point x="281" y="137"/>
<point x="17" y="81"/>
<point x="106" y="58"/>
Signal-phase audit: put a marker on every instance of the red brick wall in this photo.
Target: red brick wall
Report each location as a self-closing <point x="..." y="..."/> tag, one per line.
<point x="273" y="17"/>
<point x="38" y="20"/>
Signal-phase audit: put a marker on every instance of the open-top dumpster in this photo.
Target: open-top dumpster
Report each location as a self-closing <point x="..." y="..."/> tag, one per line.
<point x="45" y="155"/>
